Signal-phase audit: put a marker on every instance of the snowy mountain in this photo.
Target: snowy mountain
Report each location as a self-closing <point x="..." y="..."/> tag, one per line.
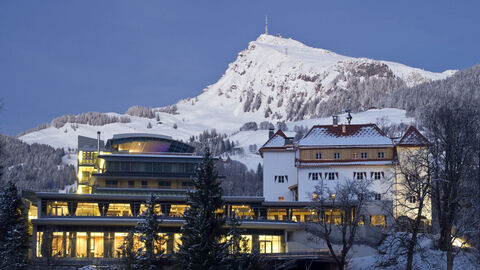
<point x="275" y="80"/>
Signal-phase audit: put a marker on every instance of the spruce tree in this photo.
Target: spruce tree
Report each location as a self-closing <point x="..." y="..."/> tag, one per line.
<point x="202" y="233"/>
<point x="148" y="229"/>
<point x="14" y="236"/>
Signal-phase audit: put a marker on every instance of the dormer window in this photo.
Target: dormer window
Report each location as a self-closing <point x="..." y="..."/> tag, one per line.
<point x="318" y="155"/>
<point x="336" y="155"/>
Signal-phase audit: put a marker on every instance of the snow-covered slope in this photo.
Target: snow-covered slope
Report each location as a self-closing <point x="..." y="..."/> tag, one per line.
<point x="283" y="79"/>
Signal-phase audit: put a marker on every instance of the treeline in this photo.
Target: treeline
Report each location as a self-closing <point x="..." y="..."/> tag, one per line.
<point x="90" y="118"/>
<point x="36" y="167"/>
<point x="464" y="84"/>
<point x="238" y="179"/>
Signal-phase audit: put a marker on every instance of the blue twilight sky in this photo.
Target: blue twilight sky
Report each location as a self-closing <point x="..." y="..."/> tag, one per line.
<point x="67" y="57"/>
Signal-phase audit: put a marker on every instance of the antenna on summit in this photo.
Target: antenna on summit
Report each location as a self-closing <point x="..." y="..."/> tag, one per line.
<point x="266" y="25"/>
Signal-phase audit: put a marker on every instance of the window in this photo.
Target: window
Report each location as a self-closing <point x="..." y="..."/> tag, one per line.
<point x="331" y="175"/>
<point x="377" y="175"/>
<point x="315" y="176"/>
<point x="336" y="155"/>
<point x="412" y="198"/>
<point x="359" y="175"/>
<point x="187" y="184"/>
<point x="314" y="196"/>
<point x="281" y="178"/>
<point x="364" y="155"/>
<point x="355" y="155"/>
<point x="331" y="197"/>
<point x="144" y="184"/>
<point x="281" y="198"/>
<point x="377" y="220"/>
<point x="378" y="196"/>
<point x="381" y="155"/>
<point x="163" y="183"/>
<point x="318" y="155"/>
<point x="131" y="183"/>
<point x="111" y="183"/>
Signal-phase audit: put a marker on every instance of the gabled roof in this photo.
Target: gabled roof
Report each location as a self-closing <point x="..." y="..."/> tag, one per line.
<point x="345" y="135"/>
<point x="278" y="141"/>
<point x="413" y="137"/>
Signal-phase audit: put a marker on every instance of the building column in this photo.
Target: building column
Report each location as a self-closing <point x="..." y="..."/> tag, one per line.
<point x="34" y="241"/>
<point x="64" y="244"/>
<point x="170" y="243"/>
<point x="255" y="243"/>
<point x="88" y="244"/>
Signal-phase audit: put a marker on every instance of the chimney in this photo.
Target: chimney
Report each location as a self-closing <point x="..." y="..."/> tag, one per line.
<point x="98" y="143"/>
<point x="270" y="132"/>
<point x="344" y="129"/>
<point x="335" y="120"/>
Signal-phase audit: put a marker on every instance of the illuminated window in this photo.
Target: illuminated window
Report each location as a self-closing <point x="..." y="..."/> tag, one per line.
<point x="281" y="198"/>
<point x="318" y="155"/>
<point x="331" y="197"/>
<point x="270" y="243"/>
<point x="381" y="155"/>
<point x="336" y="155"/>
<point x="364" y="155"/>
<point x="96" y="244"/>
<point x="314" y="196"/>
<point x="378" y="221"/>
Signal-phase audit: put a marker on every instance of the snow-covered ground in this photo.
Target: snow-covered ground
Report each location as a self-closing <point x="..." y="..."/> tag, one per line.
<point x="66" y="137"/>
<point x="393" y="257"/>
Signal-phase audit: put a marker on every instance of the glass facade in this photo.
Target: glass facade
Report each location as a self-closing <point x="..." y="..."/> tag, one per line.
<point x="150" y="167"/>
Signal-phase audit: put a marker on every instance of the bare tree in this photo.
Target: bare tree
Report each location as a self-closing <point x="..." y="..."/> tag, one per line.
<point x="341" y="210"/>
<point x="412" y="191"/>
<point x="452" y="128"/>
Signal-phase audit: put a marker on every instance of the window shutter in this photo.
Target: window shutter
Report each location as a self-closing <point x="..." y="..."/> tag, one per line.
<point x="309" y="175"/>
<point x="383" y="175"/>
<point x="286" y="178"/>
<point x="365" y="175"/>
<point x="354" y="175"/>
<point x="320" y="175"/>
<point x="275" y="179"/>
<point x="326" y="174"/>
<point x="371" y="174"/>
<point x="336" y="175"/>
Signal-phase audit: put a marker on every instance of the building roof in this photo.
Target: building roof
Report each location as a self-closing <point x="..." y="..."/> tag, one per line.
<point x="413" y="137"/>
<point x="345" y="135"/>
<point x="147" y="143"/>
<point x="87" y="143"/>
<point x="278" y="141"/>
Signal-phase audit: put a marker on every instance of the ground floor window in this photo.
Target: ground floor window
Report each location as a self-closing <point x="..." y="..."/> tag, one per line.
<point x="270" y="243"/>
<point x="378" y="221"/>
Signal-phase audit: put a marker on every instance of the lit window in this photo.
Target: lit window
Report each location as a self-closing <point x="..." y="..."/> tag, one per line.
<point x="378" y="220"/>
<point x="314" y="196"/>
<point x="281" y="198"/>
<point x="381" y="155"/>
<point x="378" y="196"/>
<point x="364" y="155"/>
<point x="336" y="155"/>
<point x="331" y="197"/>
<point x="318" y="155"/>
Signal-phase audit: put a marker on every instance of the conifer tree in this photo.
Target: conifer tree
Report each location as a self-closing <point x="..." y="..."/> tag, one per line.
<point x="202" y="233"/>
<point x="148" y="229"/>
<point x="14" y="237"/>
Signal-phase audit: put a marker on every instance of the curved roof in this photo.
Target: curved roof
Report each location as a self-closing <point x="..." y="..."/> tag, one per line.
<point x="147" y="143"/>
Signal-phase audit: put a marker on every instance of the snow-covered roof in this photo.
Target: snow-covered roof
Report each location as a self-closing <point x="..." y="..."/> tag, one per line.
<point x="413" y="137"/>
<point x="345" y="135"/>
